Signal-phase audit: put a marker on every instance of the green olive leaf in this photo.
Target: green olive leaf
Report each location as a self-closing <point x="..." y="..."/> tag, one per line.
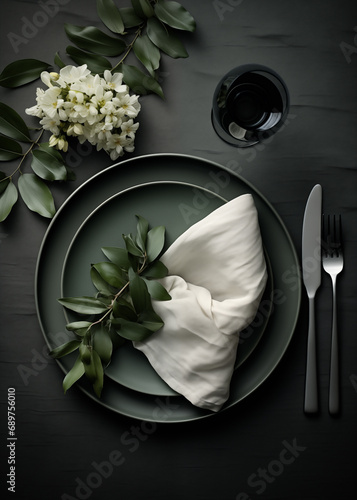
<point x="4" y="181"/>
<point x="85" y="352"/>
<point x="99" y="378"/>
<point x="83" y="305"/>
<point x="143" y="8"/>
<point x="139" y="82"/>
<point x="102" y="344"/>
<point x="156" y="290"/>
<point x="8" y="198"/>
<point x="129" y="17"/>
<point x="164" y="39"/>
<point x="110" y="15"/>
<point x="175" y="15"/>
<point x="105" y="298"/>
<point x="155" y="242"/>
<point x="90" y="367"/>
<point x="12" y="125"/>
<point x="100" y="284"/>
<point x="94" y="40"/>
<point x="47" y="166"/>
<point x="64" y="349"/>
<point x="151" y="321"/>
<point x="44" y="146"/>
<point x="130" y="330"/>
<point x="36" y="195"/>
<point x="147" y="53"/>
<point x="110" y="273"/>
<point x="96" y="64"/>
<point x="21" y="72"/>
<point x="122" y="309"/>
<point x="142" y="229"/>
<point x="80" y="328"/>
<point x="73" y="375"/>
<point x="155" y="270"/>
<point x="116" y="339"/>
<point x="139" y="292"/>
<point x="117" y="255"/>
<point x="9" y="149"/>
<point x="131" y="246"/>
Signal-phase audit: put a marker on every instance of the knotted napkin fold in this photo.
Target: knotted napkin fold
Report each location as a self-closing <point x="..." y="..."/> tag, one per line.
<point x="217" y="275"/>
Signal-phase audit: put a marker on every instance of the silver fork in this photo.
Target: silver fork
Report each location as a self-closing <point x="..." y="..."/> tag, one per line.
<point x="332" y="262"/>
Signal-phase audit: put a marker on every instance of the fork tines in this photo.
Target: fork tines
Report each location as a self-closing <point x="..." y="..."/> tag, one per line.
<point x="331" y="240"/>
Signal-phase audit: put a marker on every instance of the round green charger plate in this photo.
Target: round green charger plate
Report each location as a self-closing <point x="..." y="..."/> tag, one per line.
<point x="218" y="180"/>
<point x="129" y="366"/>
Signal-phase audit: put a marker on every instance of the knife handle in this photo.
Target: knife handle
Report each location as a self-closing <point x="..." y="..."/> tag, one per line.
<point x="311" y="398"/>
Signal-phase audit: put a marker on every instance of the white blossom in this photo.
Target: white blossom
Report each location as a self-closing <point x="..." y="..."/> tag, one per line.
<point x="51" y="124"/>
<point x="129" y="128"/>
<point x="72" y="74"/>
<point x="88" y="107"/>
<point x="59" y="142"/>
<point x="115" y="82"/>
<point x="50" y="102"/>
<point x="130" y="105"/>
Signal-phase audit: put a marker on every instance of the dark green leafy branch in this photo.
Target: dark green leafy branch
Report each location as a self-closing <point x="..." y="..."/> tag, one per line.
<point x="146" y="30"/>
<point x="121" y="309"/>
<point x="47" y="164"/>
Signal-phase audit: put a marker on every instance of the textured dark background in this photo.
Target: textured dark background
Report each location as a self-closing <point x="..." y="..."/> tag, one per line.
<point x="313" y="45"/>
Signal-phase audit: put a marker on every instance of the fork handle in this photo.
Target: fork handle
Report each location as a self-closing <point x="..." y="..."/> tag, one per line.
<point x="311" y="397"/>
<point x="334" y="396"/>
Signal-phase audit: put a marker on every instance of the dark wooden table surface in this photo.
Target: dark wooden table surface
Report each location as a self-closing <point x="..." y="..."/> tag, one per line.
<point x="68" y="446"/>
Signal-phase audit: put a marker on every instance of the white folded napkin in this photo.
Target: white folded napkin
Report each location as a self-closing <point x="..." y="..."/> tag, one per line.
<point x="217" y="275"/>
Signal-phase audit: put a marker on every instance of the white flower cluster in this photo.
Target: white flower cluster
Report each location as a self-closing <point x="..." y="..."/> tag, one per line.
<point x="91" y="108"/>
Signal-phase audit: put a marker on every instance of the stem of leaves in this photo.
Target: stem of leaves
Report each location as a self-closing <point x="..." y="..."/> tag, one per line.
<point x="24" y="156"/>
<point x="119" y="294"/>
<point x="130" y="46"/>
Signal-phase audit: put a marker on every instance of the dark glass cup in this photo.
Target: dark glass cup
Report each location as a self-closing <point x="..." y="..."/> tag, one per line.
<point x="250" y="104"/>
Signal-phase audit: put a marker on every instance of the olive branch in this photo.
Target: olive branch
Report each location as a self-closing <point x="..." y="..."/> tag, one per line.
<point x="122" y="307"/>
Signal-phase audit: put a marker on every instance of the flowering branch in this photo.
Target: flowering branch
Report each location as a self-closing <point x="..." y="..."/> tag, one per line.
<point x="95" y="101"/>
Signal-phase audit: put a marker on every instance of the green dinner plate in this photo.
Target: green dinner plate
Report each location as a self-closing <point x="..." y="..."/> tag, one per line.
<point x="129" y="366"/>
<point x="215" y="179"/>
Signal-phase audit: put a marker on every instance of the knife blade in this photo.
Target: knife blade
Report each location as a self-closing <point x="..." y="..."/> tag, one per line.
<point x="311" y="271"/>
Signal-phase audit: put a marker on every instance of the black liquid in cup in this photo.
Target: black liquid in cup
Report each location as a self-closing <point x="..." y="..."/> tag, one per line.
<point x="250" y="103"/>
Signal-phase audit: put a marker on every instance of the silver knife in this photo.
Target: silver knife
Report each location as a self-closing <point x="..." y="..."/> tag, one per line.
<point x="311" y="270"/>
